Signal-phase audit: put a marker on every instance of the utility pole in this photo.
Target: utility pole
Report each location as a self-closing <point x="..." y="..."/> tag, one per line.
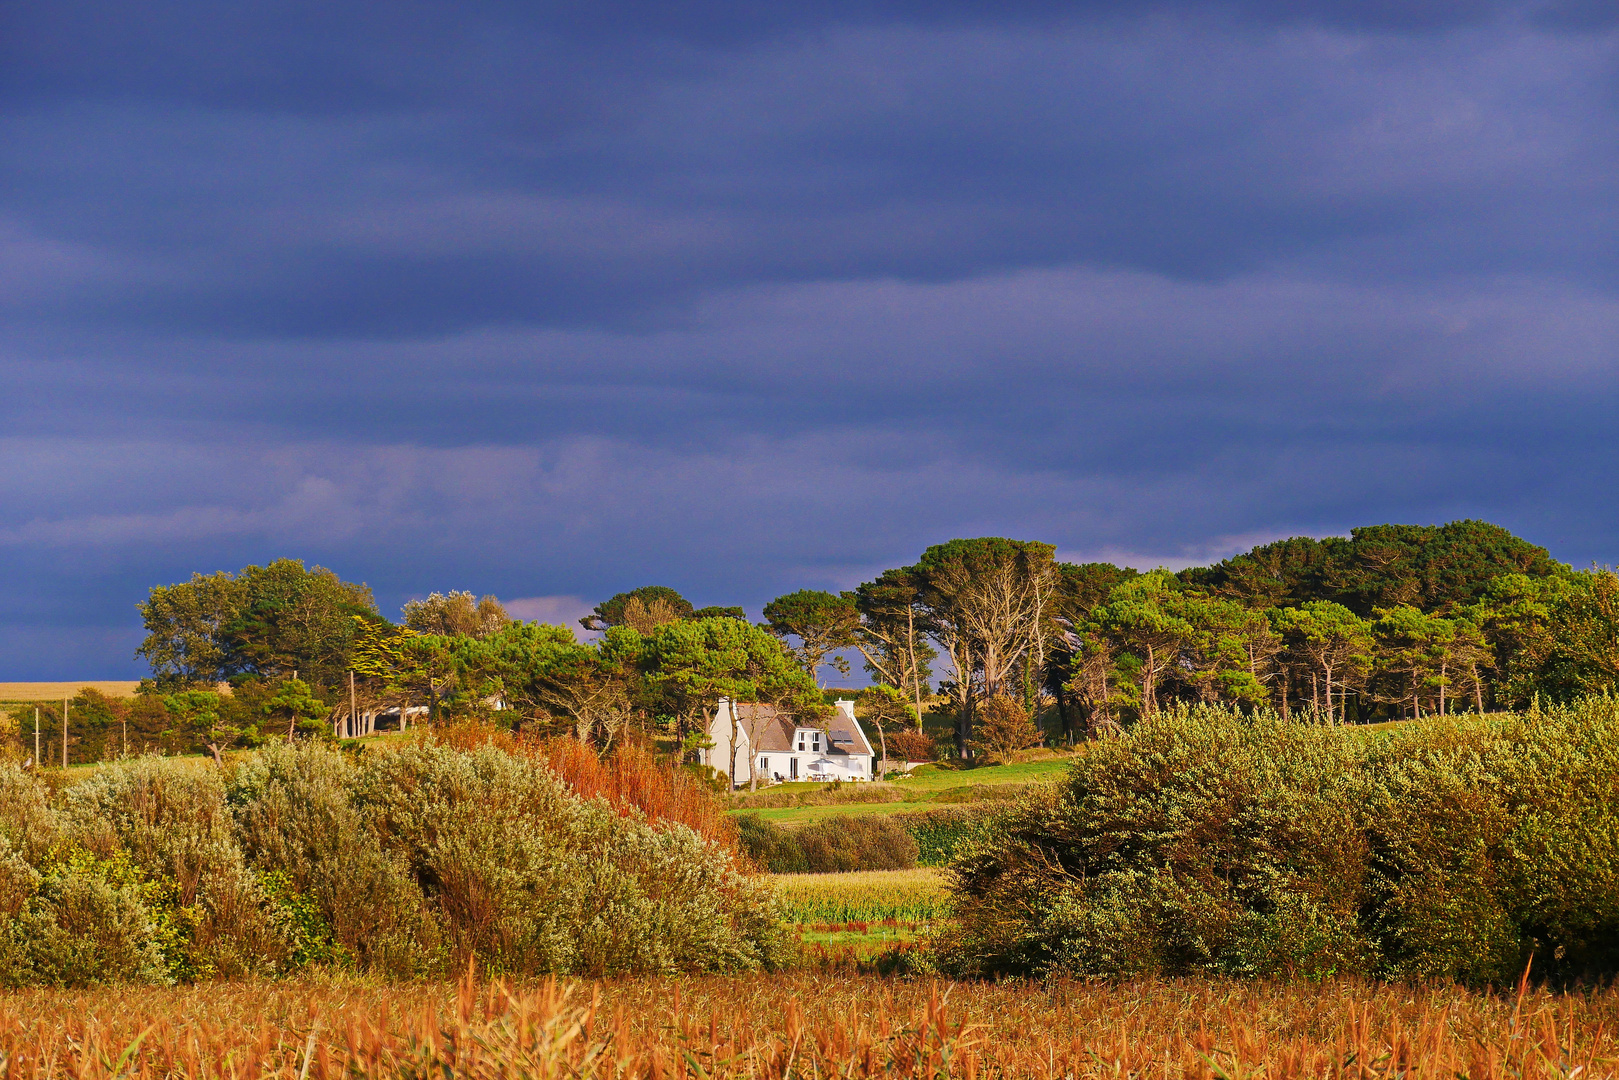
<point x="64" y="733"/>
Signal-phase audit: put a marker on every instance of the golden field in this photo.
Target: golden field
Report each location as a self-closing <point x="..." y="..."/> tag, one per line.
<point x="56" y="691"/>
<point x="811" y="1026"/>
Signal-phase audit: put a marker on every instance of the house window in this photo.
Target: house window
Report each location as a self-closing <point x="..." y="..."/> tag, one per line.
<point x="764" y="765"/>
<point x="793" y="768"/>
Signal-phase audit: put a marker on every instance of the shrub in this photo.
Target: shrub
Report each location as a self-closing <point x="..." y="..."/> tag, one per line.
<point x="170" y="820"/>
<point x="1205" y="841"/>
<point x="868" y="842"/>
<point x="912" y="745"/>
<point x="1003" y="728"/>
<point x="525" y="877"/>
<point x="341" y="897"/>
<point x="405" y="861"/>
<point x="940" y="833"/>
<point x="769" y="846"/>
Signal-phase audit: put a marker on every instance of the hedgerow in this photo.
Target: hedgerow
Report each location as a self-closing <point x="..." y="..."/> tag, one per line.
<point x="1207" y="841"/>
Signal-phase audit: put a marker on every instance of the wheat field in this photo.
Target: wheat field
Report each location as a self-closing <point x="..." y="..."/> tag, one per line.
<point x="56" y="691"/>
<point x="810" y="1026"/>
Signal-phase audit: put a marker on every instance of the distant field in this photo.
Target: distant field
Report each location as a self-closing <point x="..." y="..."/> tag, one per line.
<point x="56" y="691"/>
<point x="930" y="786"/>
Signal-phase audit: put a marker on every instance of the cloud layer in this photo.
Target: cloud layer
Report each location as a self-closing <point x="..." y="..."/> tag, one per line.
<point x="552" y="301"/>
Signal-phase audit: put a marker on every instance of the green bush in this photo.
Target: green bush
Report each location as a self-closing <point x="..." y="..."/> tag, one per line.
<point x="868" y="842"/>
<point x="830" y="846"/>
<point x="771" y="847"/>
<point x="940" y="833"/>
<point x="1206" y="841"/>
<point x="411" y="861"/>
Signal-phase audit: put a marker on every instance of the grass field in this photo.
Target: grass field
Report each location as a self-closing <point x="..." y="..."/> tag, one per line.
<point x="928" y="786"/>
<point x="809" y="1025"/>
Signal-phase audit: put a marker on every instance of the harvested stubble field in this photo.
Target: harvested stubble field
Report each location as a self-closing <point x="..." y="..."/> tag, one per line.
<point x="807" y="1025"/>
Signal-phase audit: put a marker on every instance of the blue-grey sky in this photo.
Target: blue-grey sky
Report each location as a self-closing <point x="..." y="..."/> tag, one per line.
<point x="555" y="299"/>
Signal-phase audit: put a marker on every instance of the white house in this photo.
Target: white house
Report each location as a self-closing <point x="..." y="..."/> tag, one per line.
<point x="781" y="748"/>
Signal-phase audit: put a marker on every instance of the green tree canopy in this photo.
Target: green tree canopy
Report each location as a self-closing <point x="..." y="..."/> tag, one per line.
<point x="688" y="666"/>
<point x="821" y="621"/>
<point x="1434" y="568"/>
<point x="268" y="621"/>
<point x="659" y="602"/>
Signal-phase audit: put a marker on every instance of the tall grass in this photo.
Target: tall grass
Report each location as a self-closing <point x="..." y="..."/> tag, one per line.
<point x="811" y="1026"/>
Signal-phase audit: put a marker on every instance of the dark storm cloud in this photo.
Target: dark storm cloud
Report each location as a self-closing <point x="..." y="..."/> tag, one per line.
<point x="554" y="300"/>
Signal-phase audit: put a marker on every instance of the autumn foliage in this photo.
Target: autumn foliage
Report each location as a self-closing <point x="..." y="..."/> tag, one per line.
<point x="630" y="777"/>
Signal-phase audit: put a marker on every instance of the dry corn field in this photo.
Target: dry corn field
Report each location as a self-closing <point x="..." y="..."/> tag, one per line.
<point x="810" y="1026"/>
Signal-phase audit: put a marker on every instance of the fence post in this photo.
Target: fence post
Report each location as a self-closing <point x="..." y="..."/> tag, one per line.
<point x="64" y="733"/>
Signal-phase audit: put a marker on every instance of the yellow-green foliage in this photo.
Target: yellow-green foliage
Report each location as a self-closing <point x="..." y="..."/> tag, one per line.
<point x="408" y="861"/>
<point x="1208" y="841"/>
<point x="864" y="896"/>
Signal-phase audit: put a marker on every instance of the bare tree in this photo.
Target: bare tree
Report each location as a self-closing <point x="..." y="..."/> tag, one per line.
<point x="986" y="604"/>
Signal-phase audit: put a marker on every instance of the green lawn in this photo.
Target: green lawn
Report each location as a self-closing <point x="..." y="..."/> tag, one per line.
<point x="928" y="786"/>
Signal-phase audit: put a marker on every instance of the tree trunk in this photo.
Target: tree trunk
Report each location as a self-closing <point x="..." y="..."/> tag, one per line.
<point x="1149" y="702"/>
<point x="916" y="669"/>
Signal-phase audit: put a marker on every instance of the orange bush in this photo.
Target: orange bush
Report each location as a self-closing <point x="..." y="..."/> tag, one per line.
<point x="629" y="777"/>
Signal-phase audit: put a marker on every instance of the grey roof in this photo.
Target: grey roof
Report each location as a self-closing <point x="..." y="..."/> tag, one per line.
<point x="771" y="730"/>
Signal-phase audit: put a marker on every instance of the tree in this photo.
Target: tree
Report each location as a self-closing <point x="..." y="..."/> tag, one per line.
<point x="1145" y="632"/>
<point x="820" y="621"/>
<point x="1004" y="728"/>
<point x="1412" y="655"/>
<point x="546" y="673"/>
<point x="718" y="613"/>
<point x="267" y="621"/>
<point x="892" y="634"/>
<point x="987" y="603"/>
<point x="1584" y="654"/>
<point x="293" y="702"/>
<point x="885" y="707"/>
<point x="197" y="720"/>
<point x="402" y="665"/>
<point x="653" y="606"/>
<point x="690" y="665"/>
<point x="1079" y="663"/>
<point x="1332" y="645"/>
<point x="185" y="629"/>
<point x="456" y="613"/>
<point x="1227" y="656"/>
<point x="1437" y="569"/>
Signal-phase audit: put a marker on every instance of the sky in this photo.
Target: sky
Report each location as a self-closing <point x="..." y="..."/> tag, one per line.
<point x="555" y="299"/>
